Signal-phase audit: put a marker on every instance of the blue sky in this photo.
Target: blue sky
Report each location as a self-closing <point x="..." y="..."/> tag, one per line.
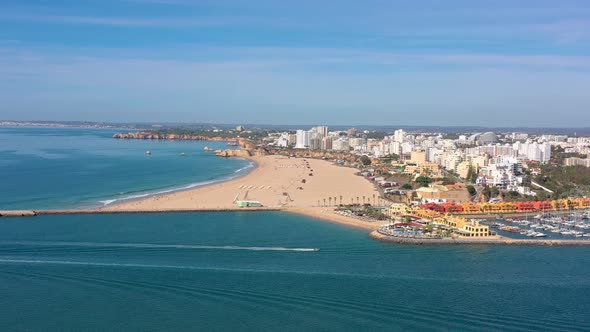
<point x="490" y="63"/>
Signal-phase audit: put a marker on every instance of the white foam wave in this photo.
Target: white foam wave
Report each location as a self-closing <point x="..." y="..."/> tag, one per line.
<point x="151" y="246"/>
<point x="251" y="165"/>
<point x="189" y="186"/>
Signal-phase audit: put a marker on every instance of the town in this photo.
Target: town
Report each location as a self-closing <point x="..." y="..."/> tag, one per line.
<point x="432" y="184"/>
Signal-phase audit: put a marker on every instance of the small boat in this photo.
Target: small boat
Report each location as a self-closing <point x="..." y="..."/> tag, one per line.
<point x="539" y="234"/>
<point x="183" y="154"/>
<point x="148" y="152"/>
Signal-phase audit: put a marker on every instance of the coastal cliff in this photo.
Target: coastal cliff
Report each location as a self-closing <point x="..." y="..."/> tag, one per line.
<point x="184" y="137"/>
<point x="240" y="153"/>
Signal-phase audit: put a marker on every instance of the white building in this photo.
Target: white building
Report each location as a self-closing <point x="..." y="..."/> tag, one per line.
<point x="399" y="135"/>
<point x="340" y="145"/>
<point x="302" y="139"/>
<point x="320" y="130"/>
<point x="283" y="140"/>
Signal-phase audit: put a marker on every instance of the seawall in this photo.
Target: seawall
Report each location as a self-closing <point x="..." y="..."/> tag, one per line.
<point x="32" y="213"/>
<point x="477" y="241"/>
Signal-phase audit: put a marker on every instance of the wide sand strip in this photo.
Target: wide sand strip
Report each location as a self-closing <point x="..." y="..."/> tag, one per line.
<point x="293" y="184"/>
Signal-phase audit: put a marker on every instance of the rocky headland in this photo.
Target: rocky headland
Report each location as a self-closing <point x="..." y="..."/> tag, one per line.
<point x="185" y="137"/>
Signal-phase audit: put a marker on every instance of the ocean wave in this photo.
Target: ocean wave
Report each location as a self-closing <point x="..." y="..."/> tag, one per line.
<point x="235" y="175"/>
<point x="151" y="246"/>
<point x="251" y="165"/>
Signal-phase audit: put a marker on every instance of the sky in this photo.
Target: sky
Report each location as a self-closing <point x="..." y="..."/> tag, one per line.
<point x="372" y="62"/>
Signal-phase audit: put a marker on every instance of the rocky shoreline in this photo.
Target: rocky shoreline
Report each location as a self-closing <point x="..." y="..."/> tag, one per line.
<point x="181" y="137"/>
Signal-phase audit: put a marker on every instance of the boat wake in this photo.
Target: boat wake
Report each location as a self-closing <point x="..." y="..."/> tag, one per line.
<point x="152" y="246"/>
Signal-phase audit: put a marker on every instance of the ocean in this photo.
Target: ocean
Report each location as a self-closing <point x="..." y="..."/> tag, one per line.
<point x="44" y="168"/>
<point x="255" y="271"/>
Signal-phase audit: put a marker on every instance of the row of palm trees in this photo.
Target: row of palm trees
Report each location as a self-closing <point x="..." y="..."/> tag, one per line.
<point x="328" y="201"/>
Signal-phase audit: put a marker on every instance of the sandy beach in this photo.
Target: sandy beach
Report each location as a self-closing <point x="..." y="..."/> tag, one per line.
<point x="292" y="184"/>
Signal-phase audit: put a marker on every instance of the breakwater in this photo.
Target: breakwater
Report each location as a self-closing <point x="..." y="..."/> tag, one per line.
<point x="32" y="213"/>
<point x="496" y="240"/>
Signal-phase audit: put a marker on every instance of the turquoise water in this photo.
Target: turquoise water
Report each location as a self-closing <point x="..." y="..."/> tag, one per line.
<point x="252" y="271"/>
<point x="240" y="271"/>
<point x="64" y="168"/>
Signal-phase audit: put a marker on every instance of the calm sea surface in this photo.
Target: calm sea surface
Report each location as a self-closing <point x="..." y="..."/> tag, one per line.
<point x="251" y="271"/>
<point x="254" y="271"/>
<point x="63" y="168"/>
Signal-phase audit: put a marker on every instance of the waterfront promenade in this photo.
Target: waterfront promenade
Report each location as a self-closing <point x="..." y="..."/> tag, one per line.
<point x="491" y="240"/>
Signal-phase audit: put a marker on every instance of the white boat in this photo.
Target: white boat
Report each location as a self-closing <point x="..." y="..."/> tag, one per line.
<point x="539" y="234"/>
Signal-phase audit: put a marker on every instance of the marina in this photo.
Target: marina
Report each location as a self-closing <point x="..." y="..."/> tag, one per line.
<point x="567" y="226"/>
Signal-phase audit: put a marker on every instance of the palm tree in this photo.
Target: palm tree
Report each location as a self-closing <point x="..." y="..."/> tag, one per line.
<point x="373" y="199"/>
<point x="330" y="200"/>
<point x="351" y="201"/>
<point x="334" y="200"/>
<point x="324" y="202"/>
<point x="318" y="202"/>
<point x="340" y="199"/>
<point x="363" y="199"/>
<point x="357" y="200"/>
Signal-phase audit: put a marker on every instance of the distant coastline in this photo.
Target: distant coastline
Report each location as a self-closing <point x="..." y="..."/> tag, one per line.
<point x="178" y="137"/>
<point x="411" y="128"/>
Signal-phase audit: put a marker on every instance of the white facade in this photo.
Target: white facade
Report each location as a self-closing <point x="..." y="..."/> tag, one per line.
<point x="302" y="139"/>
<point x="321" y="130"/>
<point x="283" y="140"/>
<point x="340" y="145"/>
<point x="399" y="135"/>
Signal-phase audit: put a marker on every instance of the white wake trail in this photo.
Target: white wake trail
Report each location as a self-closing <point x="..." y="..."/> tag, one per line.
<point x="152" y="246"/>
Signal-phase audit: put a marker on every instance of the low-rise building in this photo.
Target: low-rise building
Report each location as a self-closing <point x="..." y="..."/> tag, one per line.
<point x="574" y="161"/>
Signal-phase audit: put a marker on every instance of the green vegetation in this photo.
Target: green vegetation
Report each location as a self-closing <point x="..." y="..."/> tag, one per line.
<point x="448" y="181"/>
<point x="471" y="189"/>
<point x="365" y="160"/>
<point x="424" y="181"/>
<point x="558" y="155"/>
<point x="472" y="174"/>
<point x="390" y="157"/>
<point x="406" y="186"/>
<point x="211" y="133"/>
<point x="451" y="136"/>
<point x="490" y="192"/>
<point x="565" y="181"/>
<point x="376" y="134"/>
